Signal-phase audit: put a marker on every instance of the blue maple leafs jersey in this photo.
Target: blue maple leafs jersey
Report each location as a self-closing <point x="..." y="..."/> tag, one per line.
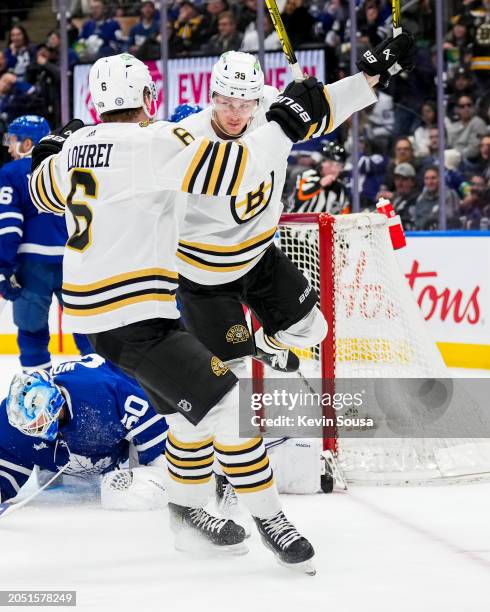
<point x="24" y="231"/>
<point x="106" y="412"/>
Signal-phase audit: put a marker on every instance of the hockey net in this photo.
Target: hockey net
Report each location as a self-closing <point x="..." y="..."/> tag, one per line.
<point x="376" y="330"/>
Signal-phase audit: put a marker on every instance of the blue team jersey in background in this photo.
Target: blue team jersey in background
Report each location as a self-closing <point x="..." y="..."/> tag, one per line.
<point x="106" y="412"/>
<point x="25" y="233"/>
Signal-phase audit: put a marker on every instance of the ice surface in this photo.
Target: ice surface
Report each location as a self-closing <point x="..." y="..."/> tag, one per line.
<point x="377" y="549"/>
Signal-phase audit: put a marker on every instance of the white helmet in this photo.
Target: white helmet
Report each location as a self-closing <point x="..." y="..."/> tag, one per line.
<point x="118" y="82"/>
<point x="237" y="75"/>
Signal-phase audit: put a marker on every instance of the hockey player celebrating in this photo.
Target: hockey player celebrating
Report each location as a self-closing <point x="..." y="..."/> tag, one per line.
<point x="31" y="247"/>
<point x="120" y="276"/>
<point x="50" y="420"/>
<point x="226" y="255"/>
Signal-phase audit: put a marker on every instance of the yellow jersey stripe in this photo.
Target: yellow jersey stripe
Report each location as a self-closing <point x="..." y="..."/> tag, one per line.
<point x="232" y="248"/>
<point x="189" y="175"/>
<point x="42" y="194"/>
<point x="88" y="312"/>
<point x="197" y="463"/>
<point x="216" y="169"/>
<point x="212" y="268"/>
<point x="330" y="119"/>
<point x="241" y="170"/>
<point x="54" y="186"/>
<point x="312" y="129"/>
<point x="192" y="482"/>
<point x="137" y="274"/>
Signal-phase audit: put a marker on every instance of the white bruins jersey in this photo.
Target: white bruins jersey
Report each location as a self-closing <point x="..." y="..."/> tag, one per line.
<point x="115" y="181"/>
<point x="221" y="239"/>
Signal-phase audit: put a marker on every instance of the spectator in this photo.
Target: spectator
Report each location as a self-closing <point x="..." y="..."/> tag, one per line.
<point x="331" y="20"/>
<point x="245" y="14"/>
<point x="188" y="27"/>
<point x="480" y="63"/>
<point x="481" y="164"/>
<point x="474" y="203"/>
<point x="380" y="122"/>
<point x="250" y="41"/>
<point x="421" y="134"/>
<point x="464" y="134"/>
<point x="53" y="44"/>
<point x="370" y="25"/>
<point x="427" y="203"/>
<point x="212" y="10"/>
<point x="227" y="39"/>
<point x="458" y="42"/>
<point x="19" y="52"/>
<point x="16" y="99"/>
<point x="44" y="75"/>
<point x="405" y="194"/>
<point x="100" y="35"/>
<point x="298" y="22"/>
<point x="403" y="153"/>
<point x="148" y="26"/>
<point x="462" y="83"/>
<point x="3" y="63"/>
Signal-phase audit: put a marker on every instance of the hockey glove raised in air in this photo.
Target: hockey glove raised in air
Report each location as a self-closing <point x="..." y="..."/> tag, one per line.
<point x="298" y="107"/>
<point x="53" y="143"/>
<point x="389" y="57"/>
<point x="9" y="286"/>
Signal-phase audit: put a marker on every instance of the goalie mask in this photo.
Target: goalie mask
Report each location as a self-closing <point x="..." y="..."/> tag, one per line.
<point x="34" y="404"/>
<point x="119" y="82"/>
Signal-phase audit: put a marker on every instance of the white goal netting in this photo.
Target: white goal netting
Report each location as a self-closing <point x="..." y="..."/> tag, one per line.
<point x="377" y="333"/>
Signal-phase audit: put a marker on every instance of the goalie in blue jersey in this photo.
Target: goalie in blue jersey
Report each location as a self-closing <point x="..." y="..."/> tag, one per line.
<point x="86" y="418"/>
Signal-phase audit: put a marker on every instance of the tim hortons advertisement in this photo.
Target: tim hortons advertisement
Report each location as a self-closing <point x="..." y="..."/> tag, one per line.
<point x="450" y="281"/>
<point x="189" y="80"/>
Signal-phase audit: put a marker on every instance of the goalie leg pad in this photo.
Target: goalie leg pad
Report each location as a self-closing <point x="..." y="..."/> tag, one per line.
<point x="309" y="331"/>
<point x="297" y="464"/>
<point x="141" y="488"/>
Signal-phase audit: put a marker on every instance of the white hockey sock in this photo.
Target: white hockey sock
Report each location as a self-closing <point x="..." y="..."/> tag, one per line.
<point x="247" y="468"/>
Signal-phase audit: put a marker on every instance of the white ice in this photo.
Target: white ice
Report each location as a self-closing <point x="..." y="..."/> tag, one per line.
<point x="377" y="549"/>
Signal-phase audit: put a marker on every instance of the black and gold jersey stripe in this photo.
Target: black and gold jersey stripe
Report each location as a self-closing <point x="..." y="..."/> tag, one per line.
<point x="45" y="193"/>
<point x="119" y="291"/>
<point x="234" y="249"/>
<point x="210" y="164"/>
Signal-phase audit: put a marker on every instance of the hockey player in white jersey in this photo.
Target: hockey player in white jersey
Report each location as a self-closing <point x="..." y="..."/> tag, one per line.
<point x="115" y="181"/>
<point x="226" y="254"/>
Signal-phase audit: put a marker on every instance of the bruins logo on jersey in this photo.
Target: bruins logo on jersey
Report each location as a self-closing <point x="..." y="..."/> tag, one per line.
<point x="237" y="333"/>
<point x="218" y="367"/>
<point x="254" y="203"/>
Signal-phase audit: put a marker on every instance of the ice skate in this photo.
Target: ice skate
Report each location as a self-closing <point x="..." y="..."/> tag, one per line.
<point x="291" y="549"/>
<point x="229" y="506"/>
<point x="196" y="530"/>
<point x="274" y="355"/>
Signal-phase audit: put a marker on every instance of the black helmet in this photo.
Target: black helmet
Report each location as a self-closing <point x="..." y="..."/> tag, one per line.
<point x="333" y="150"/>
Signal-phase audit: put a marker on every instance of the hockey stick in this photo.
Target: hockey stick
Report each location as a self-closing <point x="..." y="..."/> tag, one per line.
<point x="287" y="47"/>
<point x="9" y="507"/>
<point x="396" y="13"/>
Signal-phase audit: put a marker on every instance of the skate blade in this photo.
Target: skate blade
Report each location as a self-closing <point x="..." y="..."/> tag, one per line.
<point x="193" y="543"/>
<point x="305" y="567"/>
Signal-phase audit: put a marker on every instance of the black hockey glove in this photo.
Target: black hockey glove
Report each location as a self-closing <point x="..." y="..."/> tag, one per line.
<point x="53" y="143"/>
<point x="298" y="107"/>
<point x="9" y="286"/>
<point x="389" y="57"/>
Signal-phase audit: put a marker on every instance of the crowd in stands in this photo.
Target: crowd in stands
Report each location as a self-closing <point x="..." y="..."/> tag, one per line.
<point x="398" y="135"/>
